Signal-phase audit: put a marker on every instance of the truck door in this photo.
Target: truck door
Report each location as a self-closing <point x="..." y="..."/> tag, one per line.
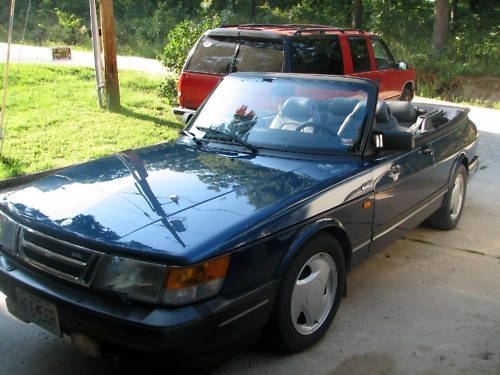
<point x="392" y="80"/>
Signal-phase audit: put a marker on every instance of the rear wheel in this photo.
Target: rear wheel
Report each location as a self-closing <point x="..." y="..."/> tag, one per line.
<point x="309" y="295"/>
<point x="448" y="216"/>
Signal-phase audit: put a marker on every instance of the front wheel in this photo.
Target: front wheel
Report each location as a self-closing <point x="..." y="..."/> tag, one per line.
<point x="407" y="94"/>
<point x="448" y="216"/>
<point x="309" y="294"/>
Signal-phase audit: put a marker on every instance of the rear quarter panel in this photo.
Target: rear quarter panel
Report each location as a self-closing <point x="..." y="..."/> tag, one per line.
<point x="456" y="144"/>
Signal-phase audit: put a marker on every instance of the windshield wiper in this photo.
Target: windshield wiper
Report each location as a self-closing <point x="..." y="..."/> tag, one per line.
<point x="191" y="136"/>
<point x="230" y="136"/>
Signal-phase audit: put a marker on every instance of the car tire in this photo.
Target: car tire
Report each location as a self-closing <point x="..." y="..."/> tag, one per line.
<point x="448" y="216"/>
<point x="309" y="294"/>
<point x="407" y="94"/>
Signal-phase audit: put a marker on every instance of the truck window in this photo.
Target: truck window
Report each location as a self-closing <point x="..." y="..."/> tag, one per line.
<point x="359" y="53"/>
<point x="317" y="55"/>
<point x="213" y="55"/>
<point x="216" y="55"/>
<point x="259" y="56"/>
<point x="383" y="57"/>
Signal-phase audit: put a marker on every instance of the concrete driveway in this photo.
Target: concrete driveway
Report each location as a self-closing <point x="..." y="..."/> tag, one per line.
<point x="428" y="304"/>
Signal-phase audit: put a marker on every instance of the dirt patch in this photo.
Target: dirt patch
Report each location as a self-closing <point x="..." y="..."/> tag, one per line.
<point x="464" y="88"/>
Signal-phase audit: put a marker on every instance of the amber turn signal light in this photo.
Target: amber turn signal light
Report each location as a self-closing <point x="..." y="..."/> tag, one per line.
<point x="187" y="277"/>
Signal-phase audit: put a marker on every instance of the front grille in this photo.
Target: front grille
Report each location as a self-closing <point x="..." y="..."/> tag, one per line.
<point x="59" y="258"/>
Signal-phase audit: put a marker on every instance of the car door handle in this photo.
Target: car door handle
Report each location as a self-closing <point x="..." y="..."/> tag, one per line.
<point x="366" y="186"/>
<point x="396" y="169"/>
<point x="426" y="150"/>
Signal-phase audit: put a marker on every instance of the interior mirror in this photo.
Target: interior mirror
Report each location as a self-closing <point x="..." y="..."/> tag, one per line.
<point x="402" y="65"/>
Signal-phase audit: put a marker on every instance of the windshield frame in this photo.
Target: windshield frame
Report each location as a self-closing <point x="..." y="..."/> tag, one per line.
<point x="370" y="87"/>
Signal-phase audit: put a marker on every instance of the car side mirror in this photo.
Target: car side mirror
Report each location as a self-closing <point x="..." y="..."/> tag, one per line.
<point x="392" y="140"/>
<point x="402" y="65"/>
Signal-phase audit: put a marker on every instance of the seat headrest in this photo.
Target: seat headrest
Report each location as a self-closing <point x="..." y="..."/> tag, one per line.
<point x="342" y="106"/>
<point x="382" y="112"/>
<point x="297" y="108"/>
<point x="403" y="111"/>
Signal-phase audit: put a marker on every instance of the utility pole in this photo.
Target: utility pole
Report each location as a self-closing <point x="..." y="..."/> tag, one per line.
<point x="96" y="46"/>
<point x="110" y="66"/>
<point x="6" y="77"/>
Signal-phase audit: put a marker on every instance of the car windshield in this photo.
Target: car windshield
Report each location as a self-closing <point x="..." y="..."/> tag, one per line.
<point x="296" y="114"/>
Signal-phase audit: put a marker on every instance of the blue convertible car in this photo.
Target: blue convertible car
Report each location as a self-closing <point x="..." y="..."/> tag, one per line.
<point x="249" y="221"/>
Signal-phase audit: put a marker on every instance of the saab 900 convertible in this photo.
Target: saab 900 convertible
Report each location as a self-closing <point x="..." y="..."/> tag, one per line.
<point x="248" y="222"/>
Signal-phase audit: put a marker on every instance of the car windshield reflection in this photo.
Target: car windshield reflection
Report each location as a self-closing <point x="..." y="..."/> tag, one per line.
<point x="284" y="113"/>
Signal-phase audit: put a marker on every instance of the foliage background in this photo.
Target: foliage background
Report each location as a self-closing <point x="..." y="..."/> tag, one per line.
<point x="167" y="28"/>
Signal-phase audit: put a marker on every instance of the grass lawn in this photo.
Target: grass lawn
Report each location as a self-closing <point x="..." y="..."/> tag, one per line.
<point x="53" y="118"/>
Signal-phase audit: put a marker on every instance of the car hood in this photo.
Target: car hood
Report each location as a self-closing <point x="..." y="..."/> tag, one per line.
<point x="169" y="201"/>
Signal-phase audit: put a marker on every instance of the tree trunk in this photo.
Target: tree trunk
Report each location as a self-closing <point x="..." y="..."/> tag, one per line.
<point x="252" y="11"/>
<point x="348" y="12"/>
<point x="440" y="28"/>
<point x="474" y="5"/>
<point x="357" y="13"/>
<point x="454" y="11"/>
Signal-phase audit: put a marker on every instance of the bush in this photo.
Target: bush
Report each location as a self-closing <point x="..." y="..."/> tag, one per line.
<point x="179" y="41"/>
<point x="168" y="89"/>
<point x="182" y="38"/>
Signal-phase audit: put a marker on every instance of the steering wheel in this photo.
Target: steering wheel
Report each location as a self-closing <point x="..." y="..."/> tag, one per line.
<point x="316" y="126"/>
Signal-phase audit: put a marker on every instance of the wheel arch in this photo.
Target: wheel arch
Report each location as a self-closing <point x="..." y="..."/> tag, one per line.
<point x="461" y="159"/>
<point x="329" y="226"/>
<point x="411" y="86"/>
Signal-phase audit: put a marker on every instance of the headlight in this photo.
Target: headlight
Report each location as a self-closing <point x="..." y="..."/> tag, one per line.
<point x="8" y="234"/>
<point x="190" y="284"/>
<point x="134" y="279"/>
<point x="157" y="283"/>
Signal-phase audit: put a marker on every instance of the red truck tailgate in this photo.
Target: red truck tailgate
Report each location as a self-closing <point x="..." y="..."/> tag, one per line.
<point x="195" y="87"/>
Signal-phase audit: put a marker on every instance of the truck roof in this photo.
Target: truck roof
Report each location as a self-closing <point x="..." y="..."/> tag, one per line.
<point x="293" y="29"/>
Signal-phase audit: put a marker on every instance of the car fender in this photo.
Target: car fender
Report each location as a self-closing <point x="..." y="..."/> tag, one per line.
<point x="330" y="225"/>
<point x="459" y="160"/>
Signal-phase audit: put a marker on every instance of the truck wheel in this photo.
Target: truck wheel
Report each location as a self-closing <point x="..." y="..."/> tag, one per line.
<point x="448" y="216"/>
<point x="309" y="295"/>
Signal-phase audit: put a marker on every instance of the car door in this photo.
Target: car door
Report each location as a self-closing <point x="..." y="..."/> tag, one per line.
<point x="403" y="184"/>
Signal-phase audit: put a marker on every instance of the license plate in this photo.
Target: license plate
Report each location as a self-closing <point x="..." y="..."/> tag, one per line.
<point x="31" y="308"/>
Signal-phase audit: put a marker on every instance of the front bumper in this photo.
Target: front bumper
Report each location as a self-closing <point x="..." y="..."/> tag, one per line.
<point x="119" y="326"/>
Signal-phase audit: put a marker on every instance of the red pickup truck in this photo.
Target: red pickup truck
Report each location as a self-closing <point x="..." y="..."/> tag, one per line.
<point x="290" y="48"/>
